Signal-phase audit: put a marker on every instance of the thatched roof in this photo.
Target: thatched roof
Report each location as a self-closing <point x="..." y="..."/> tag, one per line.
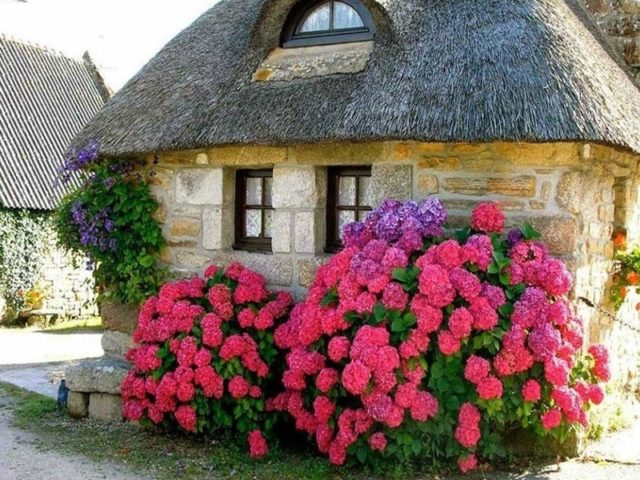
<point x="441" y="70"/>
<point x="45" y="99"/>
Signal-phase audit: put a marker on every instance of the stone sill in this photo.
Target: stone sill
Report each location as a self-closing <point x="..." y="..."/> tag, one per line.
<point x="286" y="64"/>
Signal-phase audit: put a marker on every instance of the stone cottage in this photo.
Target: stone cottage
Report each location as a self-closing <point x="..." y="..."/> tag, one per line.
<point x="268" y="124"/>
<point x="45" y="99"/>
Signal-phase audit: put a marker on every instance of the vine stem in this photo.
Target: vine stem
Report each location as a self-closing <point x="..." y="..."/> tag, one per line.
<point x="609" y="315"/>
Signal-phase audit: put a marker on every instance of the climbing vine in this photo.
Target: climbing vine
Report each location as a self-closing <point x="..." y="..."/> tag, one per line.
<point x="24" y="237"/>
<point x="626" y="275"/>
<point x="109" y="219"/>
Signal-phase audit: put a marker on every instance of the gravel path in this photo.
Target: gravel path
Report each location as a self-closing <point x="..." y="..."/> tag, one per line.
<point x="573" y="470"/>
<point x="36" y="360"/>
<point x="24" y="347"/>
<point x="21" y="458"/>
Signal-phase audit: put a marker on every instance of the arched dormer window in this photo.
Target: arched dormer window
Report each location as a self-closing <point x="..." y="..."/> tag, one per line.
<point x="326" y="22"/>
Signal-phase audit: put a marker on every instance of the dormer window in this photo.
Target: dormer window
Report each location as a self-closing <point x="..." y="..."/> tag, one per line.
<point x="329" y="22"/>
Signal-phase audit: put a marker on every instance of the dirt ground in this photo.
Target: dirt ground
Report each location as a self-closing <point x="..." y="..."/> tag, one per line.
<point x="23" y="458"/>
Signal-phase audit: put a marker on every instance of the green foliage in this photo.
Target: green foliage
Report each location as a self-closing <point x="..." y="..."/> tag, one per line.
<point x="627" y="275"/>
<point x="24" y="238"/>
<point x="109" y="219"/>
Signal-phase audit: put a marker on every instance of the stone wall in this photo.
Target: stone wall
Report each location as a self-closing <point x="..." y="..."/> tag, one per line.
<point x="69" y="286"/>
<point x="575" y="194"/>
<point x="620" y="19"/>
<point x="66" y="283"/>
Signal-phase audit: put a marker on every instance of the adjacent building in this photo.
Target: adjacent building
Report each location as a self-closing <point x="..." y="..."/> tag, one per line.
<point x="45" y="100"/>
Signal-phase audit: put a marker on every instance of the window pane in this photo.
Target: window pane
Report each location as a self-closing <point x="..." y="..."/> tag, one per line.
<point x="268" y="223"/>
<point x="344" y="218"/>
<point x="254" y="191"/>
<point x="362" y="214"/>
<point x="345" y="16"/>
<point x="253" y="223"/>
<point x="365" y="199"/>
<point x="319" y="20"/>
<point x="268" y="190"/>
<point x="347" y="191"/>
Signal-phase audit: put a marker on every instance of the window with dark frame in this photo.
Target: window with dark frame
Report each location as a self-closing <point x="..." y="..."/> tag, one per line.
<point x="348" y="200"/>
<point x="254" y="210"/>
<point x="326" y="22"/>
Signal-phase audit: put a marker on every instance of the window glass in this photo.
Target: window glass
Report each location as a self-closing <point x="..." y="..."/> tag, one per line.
<point x="347" y="191"/>
<point x="348" y="200"/>
<point x="268" y="223"/>
<point x="268" y="191"/>
<point x="254" y="191"/>
<point x="319" y="20"/>
<point x="253" y="223"/>
<point x="254" y="212"/>
<point x="364" y="198"/>
<point x="345" y="217"/>
<point x="345" y="16"/>
<point x="328" y="22"/>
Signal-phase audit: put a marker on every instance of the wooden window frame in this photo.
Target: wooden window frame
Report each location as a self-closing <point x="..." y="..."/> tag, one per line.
<point x="333" y="241"/>
<point x="242" y="242"/>
<point x="292" y="37"/>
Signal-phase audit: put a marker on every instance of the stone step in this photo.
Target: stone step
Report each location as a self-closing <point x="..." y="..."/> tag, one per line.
<point x="102" y="375"/>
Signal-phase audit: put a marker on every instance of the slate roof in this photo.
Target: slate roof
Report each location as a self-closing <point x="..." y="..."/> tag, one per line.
<point x="441" y="70"/>
<point x="45" y="100"/>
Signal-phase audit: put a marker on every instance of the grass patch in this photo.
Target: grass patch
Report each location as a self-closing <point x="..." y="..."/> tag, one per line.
<point x="88" y="325"/>
<point x="85" y="325"/>
<point x="160" y="456"/>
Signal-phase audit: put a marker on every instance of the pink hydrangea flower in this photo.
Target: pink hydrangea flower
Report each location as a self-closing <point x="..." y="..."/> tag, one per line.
<point x="487" y="217"/>
<point x="435" y="285"/>
<point x="468" y="463"/>
<point x="596" y="394"/>
<point x="461" y="323"/>
<point x="355" y="377"/>
<point x="238" y="387"/>
<point x="378" y="442"/>
<point x="424" y="407"/>
<point x="258" y="447"/>
<point x="476" y="369"/>
<point x="551" y="419"/>
<point x="394" y="297"/>
<point x="489" y="388"/>
<point x="186" y="417"/>
<point x="531" y="391"/>
<point x="338" y="348"/>
<point x="556" y="371"/>
<point x="448" y="343"/>
<point x="467" y="432"/>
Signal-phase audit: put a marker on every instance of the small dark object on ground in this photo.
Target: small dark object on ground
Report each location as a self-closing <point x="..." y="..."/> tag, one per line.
<point x="63" y="395"/>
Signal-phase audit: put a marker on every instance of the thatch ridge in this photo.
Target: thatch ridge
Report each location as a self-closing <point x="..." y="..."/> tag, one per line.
<point x="441" y="70"/>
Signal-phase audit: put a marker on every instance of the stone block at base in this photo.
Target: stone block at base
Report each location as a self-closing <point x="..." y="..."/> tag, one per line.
<point x="528" y="445"/>
<point x="78" y="404"/>
<point x="116" y="344"/>
<point x="105" y="407"/>
<point x="103" y="375"/>
<point x="119" y="317"/>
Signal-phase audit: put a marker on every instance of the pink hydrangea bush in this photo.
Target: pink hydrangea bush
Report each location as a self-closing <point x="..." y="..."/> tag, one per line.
<point x="413" y="344"/>
<point x="205" y="358"/>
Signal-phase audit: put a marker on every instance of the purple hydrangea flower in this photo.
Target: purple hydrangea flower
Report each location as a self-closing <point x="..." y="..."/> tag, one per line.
<point x="515" y="236"/>
<point x="406" y="223"/>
